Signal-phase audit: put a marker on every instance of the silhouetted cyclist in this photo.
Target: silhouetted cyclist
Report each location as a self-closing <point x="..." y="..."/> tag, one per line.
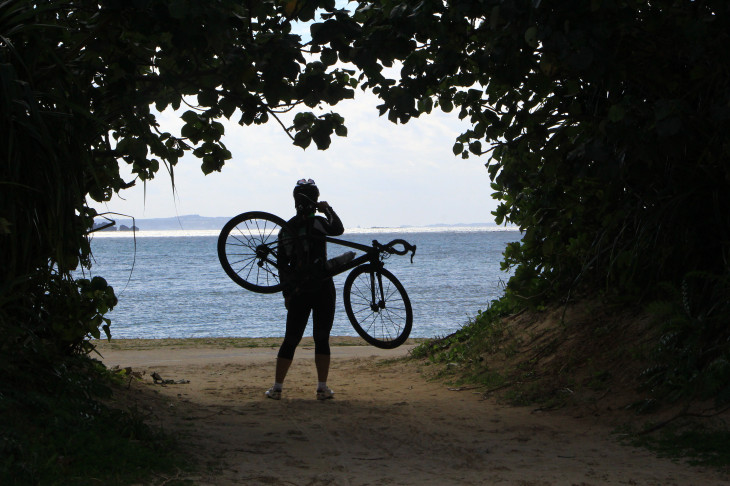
<point x="306" y="290"/>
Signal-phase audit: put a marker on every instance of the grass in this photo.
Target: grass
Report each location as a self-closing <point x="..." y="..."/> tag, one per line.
<point x="56" y="429"/>
<point x="695" y="442"/>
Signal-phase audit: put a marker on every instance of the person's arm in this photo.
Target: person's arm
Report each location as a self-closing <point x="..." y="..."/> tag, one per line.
<point x="332" y="225"/>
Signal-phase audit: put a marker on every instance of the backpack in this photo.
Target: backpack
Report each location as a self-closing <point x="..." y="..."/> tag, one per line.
<point x="303" y="271"/>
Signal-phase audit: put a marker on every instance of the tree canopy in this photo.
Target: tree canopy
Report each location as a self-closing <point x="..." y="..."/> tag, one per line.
<point x="604" y="124"/>
<point x="79" y="82"/>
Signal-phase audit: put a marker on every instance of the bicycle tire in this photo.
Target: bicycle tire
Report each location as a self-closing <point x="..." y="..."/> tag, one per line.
<point x="247" y="249"/>
<point x="386" y="324"/>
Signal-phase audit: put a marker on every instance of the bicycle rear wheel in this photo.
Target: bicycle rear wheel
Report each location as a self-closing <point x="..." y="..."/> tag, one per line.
<point x="378" y="307"/>
<point x="248" y="247"/>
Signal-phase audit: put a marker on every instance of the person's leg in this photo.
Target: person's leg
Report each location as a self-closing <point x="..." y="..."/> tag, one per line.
<point x="282" y="367"/>
<point x="296" y="322"/>
<point x="322" y="363"/>
<point x="323" y="318"/>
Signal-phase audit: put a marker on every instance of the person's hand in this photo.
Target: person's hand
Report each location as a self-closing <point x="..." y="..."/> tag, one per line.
<point x="322" y="206"/>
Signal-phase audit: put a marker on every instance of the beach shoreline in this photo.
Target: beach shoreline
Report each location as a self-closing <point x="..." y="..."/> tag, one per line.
<point x="131" y="344"/>
<point x="146" y="353"/>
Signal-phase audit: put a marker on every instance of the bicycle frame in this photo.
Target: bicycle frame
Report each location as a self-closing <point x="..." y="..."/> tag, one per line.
<point x="371" y="255"/>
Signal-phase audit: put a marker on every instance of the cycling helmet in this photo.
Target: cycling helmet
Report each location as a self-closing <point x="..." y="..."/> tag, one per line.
<point x="306" y="195"/>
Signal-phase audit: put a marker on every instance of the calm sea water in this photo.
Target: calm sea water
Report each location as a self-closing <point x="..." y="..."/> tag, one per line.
<point x="172" y="284"/>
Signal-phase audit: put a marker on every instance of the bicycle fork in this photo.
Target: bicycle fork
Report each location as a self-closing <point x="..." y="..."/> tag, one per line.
<point x="376" y="305"/>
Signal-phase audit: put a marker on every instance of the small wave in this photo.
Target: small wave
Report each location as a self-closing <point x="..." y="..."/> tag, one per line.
<point x="377" y="230"/>
<point x="432" y="229"/>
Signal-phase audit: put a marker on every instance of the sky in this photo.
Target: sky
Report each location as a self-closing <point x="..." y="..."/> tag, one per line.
<point x="381" y="174"/>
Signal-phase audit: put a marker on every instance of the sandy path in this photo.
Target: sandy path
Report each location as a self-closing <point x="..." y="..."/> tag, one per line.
<point x="387" y="426"/>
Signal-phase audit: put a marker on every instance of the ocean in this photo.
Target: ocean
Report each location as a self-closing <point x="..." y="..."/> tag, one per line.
<point x="170" y="283"/>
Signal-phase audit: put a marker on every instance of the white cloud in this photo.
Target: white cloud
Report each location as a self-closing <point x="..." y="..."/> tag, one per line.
<point x="381" y="174"/>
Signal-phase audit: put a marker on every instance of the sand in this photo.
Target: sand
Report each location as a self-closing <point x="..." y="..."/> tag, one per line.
<point x="387" y="425"/>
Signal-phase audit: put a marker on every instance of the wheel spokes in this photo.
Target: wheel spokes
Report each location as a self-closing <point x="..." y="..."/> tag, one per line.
<point x="383" y="319"/>
<point x="252" y="248"/>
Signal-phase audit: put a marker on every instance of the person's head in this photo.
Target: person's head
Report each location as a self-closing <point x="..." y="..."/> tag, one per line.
<point x="306" y="195"/>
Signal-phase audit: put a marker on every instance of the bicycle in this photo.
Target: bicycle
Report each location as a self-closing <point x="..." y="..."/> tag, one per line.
<point x="376" y="303"/>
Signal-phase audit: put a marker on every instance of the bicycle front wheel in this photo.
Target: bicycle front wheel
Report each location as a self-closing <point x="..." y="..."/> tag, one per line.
<point x="248" y="247"/>
<point x="378" y="307"/>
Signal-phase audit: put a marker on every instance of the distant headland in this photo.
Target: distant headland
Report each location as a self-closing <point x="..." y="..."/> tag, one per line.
<point x="187" y="222"/>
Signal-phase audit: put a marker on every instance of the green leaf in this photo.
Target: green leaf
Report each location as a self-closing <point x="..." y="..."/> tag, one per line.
<point x="190" y="117"/>
<point x="137" y="148"/>
<point x="302" y="139"/>
<point x="290" y="7"/>
<point x="178" y="9"/>
<point x="218" y="128"/>
<point x="321" y="137"/>
<point x="425" y="105"/>
<point x="494" y="18"/>
<point x="311" y="100"/>
<point x="616" y="113"/>
<point x="531" y="37"/>
<point x="208" y="98"/>
<point x="98" y="283"/>
<point x="303" y="120"/>
<point x="668" y="127"/>
<point x="328" y="56"/>
<point x="189" y="131"/>
<point x="210" y="164"/>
